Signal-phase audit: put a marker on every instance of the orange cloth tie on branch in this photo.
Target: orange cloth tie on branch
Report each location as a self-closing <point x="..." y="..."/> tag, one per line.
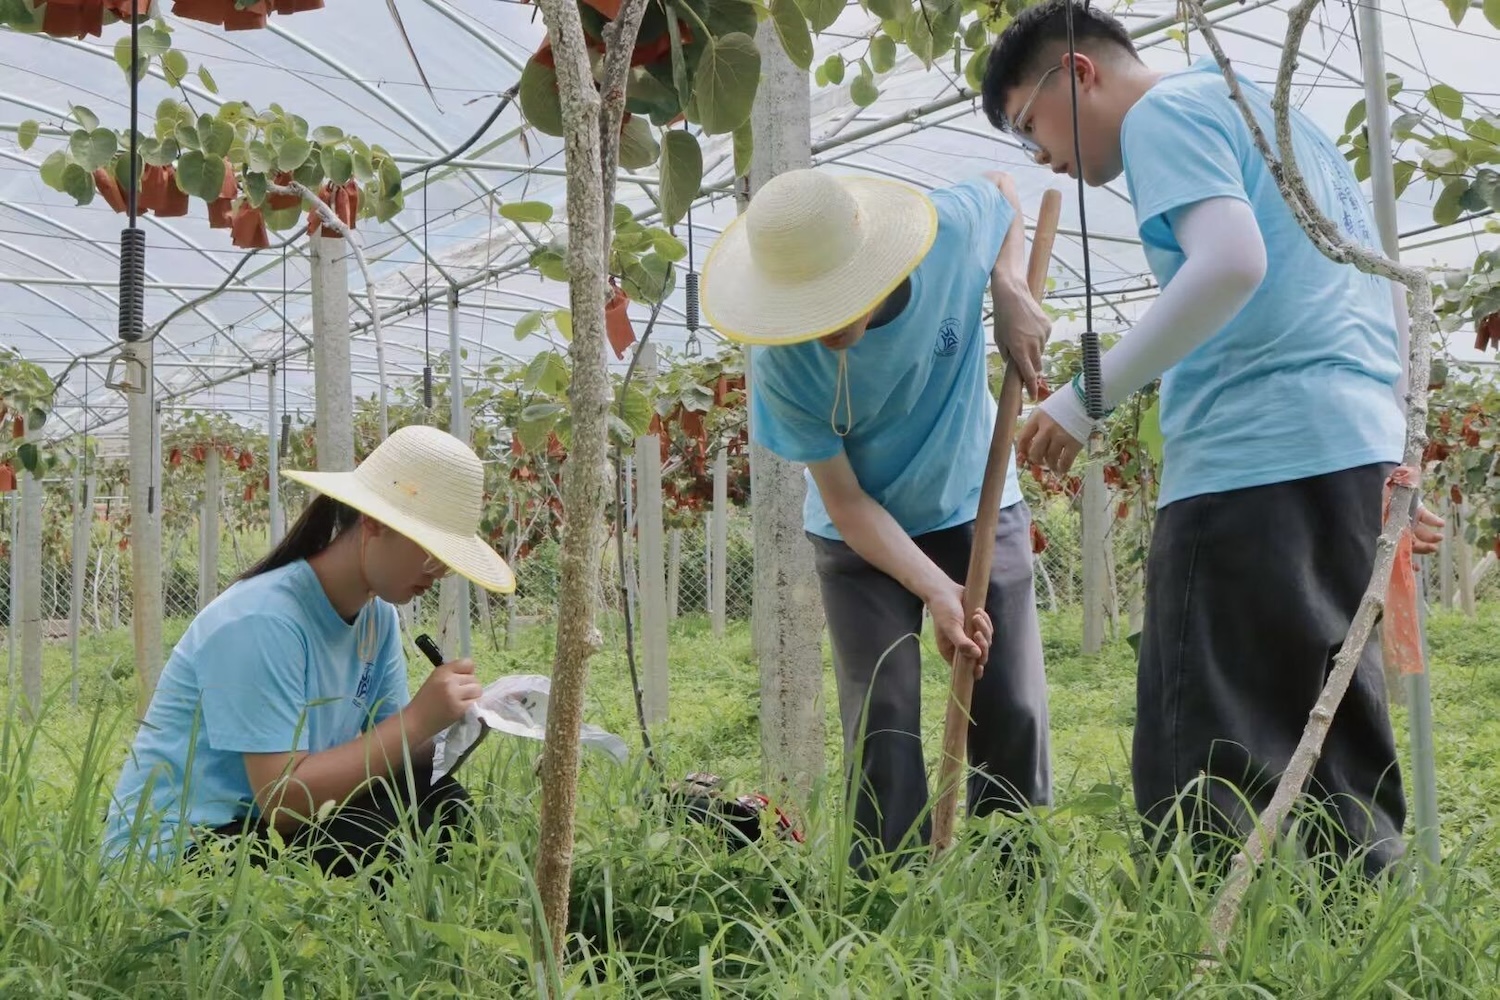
<point x="1401" y="627"/>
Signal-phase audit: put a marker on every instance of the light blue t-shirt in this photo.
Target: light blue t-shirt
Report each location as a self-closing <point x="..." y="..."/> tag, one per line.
<point x="267" y="667"/>
<point x="923" y="413"/>
<point x="1302" y="381"/>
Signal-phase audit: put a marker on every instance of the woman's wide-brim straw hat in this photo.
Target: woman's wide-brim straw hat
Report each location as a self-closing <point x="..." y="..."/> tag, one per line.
<point x="429" y="486"/>
<point x="812" y="254"/>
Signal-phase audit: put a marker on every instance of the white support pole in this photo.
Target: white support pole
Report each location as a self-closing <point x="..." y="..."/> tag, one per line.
<point x="1383" y="189"/>
<point x="1465" y="560"/>
<point x="12" y="632"/>
<point x="30" y="605"/>
<point x="454" y="594"/>
<point x="1093" y="538"/>
<point x="145" y="517"/>
<point x="208" y="543"/>
<point x="1451" y="537"/>
<point x="708" y="564"/>
<point x="83" y="520"/>
<point x="333" y="381"/>
<point x="674" y="572"/>
<point x="651" y="559"/>
<point x="719" y="542"/>
<point x="273" y="457"/>
<point x="787" y="618"/>
<point x="632" y="590"/>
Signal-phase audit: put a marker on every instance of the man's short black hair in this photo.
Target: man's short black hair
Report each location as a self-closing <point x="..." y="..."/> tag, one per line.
<point x="1030" y="42"/>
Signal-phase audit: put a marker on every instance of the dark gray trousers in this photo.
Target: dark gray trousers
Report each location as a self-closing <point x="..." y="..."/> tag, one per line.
<point x="1249" y="594"/>
<point x="873" y="622"/>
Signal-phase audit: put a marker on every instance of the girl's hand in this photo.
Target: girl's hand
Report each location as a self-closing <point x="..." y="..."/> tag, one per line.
<point x="444" y="696"/>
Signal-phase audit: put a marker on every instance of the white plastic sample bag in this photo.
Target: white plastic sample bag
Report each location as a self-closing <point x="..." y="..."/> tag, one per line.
<point x="515" y="704"/>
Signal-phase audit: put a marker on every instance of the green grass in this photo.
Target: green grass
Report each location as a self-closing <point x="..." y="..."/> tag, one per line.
<point x="662" y="909"/>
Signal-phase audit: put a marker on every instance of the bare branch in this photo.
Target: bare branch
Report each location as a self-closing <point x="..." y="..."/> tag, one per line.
<point x="619" y="41"/>
<point x="1405" y="491"/>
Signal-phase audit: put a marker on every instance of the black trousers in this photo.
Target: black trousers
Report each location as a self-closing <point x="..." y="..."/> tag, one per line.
<point x="873" y="622"/>
<point x="359" y="831"/>
<point x="1249" y="595"/>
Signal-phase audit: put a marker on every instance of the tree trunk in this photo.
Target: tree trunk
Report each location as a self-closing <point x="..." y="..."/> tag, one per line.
<point x="590" y="196"/>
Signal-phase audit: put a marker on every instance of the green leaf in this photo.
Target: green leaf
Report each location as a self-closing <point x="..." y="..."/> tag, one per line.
<point x="976" y="36"/>
<point x="546" y="373"/>
<point x="200" y="176"/>
<point x="85" y="117"/>
<point x="821" y="13"/>
<point x="669" y="247"/>
<point x="1487" y="186"/>
<point x="217" y="137"/>
<point x="1448" y="102"/>
<point x="122" y="55"/>
<point x="364" y="169"/>
<point x="563" y="320"/>
<point x="648" y="279"/>
<point x="526" y="211"/>
<point x="863" y="91"/>
<point x="646" y="94"/>
<point x="174" y="65"/>
<point x="930" y="32"/>
<point x="160" y="154"/>
<point x="280" y="220"/>
<point x="681" y="174"/>
<point x="154" y="41"/>
<point x="1492" y="12"/>
<point x="1457" y="9"/>
<point x="1356" y="116"/>
<point x="540" y="102"/>
<point x="1446" y="210"/>
<point x="326" y="134"/>
<point x="528" y="324"/>
<point x="1405" y="126"/>
<point x="78" y="183"/>
<point x="833" y="69"/>
<point x="791" y="28"/>
<point x="338" y="165"/>
<point x="888" y="10"/>
<point x="638" y="148"/>
<point x="293" y="153"/>
<point x="260" y="157"/>
<point x="744" y="147"/>
<point x="1393" y="86"/>
<point x="1150" y="432"/>
<point x="26" y="134"/>
<point x="92" y="150"/>
<point x="974" y="69"/>
<point x="30" y="457"/>
<point x="206" y="78"/>
<point x="882" y="53"/>
<point x="725" y="81"/>
<point x="550" y="264"/>
<point x="256" y="185"/>
<point x="636" y="407"/>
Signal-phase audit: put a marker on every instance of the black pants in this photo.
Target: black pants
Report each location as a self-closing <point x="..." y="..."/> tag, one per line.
<point x="358" y="832"/>
<point x="879" y="675"/>
<point x="1249" y="595"/>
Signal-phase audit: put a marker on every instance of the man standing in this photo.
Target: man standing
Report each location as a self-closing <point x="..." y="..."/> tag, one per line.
<point x="1281" y="414"/>
<point x="867" y="299"/>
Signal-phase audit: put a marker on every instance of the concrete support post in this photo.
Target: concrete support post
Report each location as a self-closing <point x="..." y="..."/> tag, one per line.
<point x="333" y="382"/>
<point x="788" y="614"/>
<point x="208" y="522"/>
<point x="145" y="516"/>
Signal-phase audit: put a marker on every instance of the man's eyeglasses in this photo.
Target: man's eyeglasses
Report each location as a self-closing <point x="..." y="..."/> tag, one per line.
<point x="1020" y="127"/>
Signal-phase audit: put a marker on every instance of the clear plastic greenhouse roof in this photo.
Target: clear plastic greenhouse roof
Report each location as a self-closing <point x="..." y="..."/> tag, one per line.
<point x="59" y="263"/>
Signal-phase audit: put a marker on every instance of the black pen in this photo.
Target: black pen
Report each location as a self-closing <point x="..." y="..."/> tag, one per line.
<point x="426" y="645"/>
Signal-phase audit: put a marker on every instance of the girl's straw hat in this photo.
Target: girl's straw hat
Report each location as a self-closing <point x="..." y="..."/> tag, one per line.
<point x="812" y="254"/>
<point x="429" y="486"/>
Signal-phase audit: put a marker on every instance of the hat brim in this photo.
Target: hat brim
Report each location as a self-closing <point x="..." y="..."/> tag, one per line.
<point x="467" y="555"/>
<point x="750" y="306"/>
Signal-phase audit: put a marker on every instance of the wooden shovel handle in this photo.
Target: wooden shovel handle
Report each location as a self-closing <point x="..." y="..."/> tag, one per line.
<point x="981" y="556"/>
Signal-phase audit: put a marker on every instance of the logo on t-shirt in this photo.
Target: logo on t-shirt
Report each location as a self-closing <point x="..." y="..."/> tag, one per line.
<point x="362" y="693"/>
<point x="947" y="340"/>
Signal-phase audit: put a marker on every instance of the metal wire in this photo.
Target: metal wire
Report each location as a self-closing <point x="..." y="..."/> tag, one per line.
<point x="1093" y="389"/>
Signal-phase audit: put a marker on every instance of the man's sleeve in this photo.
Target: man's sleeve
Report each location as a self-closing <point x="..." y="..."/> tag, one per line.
<point x="789" y="426"/>
<point x="255" y="687"/>
<point x="393" y="690"/>
<point x="978" y="214"/>
<point x="1179" y="152"/>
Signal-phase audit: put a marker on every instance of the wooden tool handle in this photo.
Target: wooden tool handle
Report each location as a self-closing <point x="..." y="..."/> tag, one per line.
<point x="981" y="555"/>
